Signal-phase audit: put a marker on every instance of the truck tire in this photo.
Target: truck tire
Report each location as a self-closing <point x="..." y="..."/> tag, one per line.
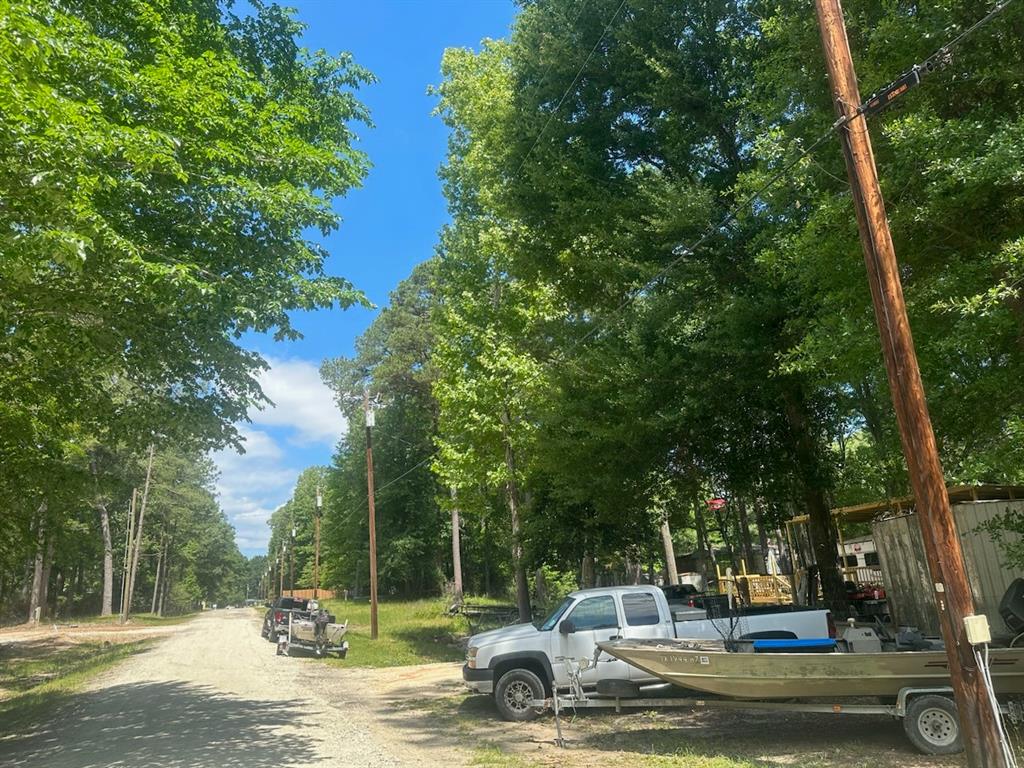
<point x="932" y="725"/>
<point x="513" y="693"/>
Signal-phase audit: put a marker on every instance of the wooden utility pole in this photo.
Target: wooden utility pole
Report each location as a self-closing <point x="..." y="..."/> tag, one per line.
<point x="280" y="574"/>
<point x="368" y="412"/>
<point x="941" y="542"/>
<point x="316" y="548"/>
<point x="291" y="564"/>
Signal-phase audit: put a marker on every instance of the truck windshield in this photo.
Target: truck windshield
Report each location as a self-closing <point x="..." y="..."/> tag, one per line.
<point x="556" y="614"/>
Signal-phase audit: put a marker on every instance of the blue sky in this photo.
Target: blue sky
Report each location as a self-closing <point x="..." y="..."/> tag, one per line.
<point x="390" y="224"/>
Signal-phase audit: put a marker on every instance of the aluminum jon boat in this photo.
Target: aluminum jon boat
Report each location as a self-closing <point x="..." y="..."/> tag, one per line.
<point x="766" y="673"/>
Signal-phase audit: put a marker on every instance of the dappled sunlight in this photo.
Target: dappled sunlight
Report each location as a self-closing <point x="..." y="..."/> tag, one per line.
<point x="165" y="724"/>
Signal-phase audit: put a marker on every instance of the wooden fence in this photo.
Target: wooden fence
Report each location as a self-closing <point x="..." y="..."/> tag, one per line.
<point x="307" y="594"/>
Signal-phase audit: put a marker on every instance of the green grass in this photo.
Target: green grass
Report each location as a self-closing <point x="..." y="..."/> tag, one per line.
<point x="35" y="677"/>
<point x="137" y="619"/>
<point x="415" y="632"/>
<point x="492" y="757"/>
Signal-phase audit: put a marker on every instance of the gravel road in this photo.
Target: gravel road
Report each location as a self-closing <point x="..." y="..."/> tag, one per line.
<point x="215" y="694"/>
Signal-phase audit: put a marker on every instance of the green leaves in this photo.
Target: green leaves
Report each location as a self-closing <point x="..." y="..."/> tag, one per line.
<point x="158" y="189"/>
<point x="162" y="165"/>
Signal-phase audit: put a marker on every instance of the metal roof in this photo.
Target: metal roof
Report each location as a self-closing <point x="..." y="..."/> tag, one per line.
<point x="865" y="513"/>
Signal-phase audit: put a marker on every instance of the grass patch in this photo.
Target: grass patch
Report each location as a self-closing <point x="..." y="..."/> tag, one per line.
<point x="492" y="757"/>
<point x="34" y="677"/>
<point x="137" y="619"/>
<point x="415" y="632"/>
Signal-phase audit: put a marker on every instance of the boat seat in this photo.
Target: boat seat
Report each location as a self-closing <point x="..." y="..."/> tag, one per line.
<point x="801" y="645"/>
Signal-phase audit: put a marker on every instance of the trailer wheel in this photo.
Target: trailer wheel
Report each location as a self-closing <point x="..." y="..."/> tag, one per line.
<point x="932" y="725"/>
<point x="514" y="692"/>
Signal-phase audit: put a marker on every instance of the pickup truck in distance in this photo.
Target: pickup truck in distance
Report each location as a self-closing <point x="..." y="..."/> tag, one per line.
<point x="278" y="615"/>
<point x="517" y="664"/>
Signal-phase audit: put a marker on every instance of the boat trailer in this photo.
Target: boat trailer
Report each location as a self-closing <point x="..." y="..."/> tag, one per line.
<point x="928" y="714"/>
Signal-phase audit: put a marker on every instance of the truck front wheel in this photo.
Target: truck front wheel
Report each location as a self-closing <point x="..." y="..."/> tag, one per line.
<point x="515" y="693"/>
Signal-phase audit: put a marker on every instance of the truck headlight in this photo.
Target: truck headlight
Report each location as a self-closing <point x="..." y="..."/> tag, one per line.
<point x="471" y="657"/>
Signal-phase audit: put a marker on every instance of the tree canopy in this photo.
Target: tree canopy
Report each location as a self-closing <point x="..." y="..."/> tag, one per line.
<point x="593" y="375"/>
<point x="164" y="168"/>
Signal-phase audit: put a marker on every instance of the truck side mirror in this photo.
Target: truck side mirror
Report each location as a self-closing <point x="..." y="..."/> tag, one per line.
<point x="566" y="627"/>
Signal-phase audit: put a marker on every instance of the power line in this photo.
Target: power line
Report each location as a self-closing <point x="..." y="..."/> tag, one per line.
<point x="683" y="251"/>
<point x="572" y="85"/>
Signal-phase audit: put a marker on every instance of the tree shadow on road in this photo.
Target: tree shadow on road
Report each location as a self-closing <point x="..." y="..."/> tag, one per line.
<point x="165" y="725"/>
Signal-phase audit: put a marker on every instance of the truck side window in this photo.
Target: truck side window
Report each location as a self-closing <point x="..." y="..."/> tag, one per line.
<point x="595" y="613"/>
<point x="640" y="610"/>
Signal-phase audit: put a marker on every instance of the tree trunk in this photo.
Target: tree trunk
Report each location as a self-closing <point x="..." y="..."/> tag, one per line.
<point x="587" y="575"/>
<point x="35" y="593"/>
<point x="722" y="521"/>
<point x="820" y="525"/>
<point x="138" y="539"/>
<point x="512" y="496"/>
<point x="107" y="606"/>
<point x="671" y="574"/>
<point x="486" y="544"/>
<point x="762" y="534"/>
<point x="745" y="542"/>
<point x="44" y="584"/>
<point x="518" y="567"/>
<point x="156" y="581"/>
<point x="456" y="549"/>
<point x="129" y="537"/>
<point x="703" y="542"/>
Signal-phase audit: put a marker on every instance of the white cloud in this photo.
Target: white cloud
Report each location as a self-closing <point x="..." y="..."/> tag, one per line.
<point x="302" y="402"/>
<point x="278" y="444"/>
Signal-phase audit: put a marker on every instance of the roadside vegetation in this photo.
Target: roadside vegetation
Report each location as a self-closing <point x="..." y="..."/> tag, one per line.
<point x="410" y="632"/>
<point x="168" y="169"/>
<point x="137" y="619"/>
<point x="568" y="385"/>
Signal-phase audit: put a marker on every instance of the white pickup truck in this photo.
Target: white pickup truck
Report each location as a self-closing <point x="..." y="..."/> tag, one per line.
<point x="517" y="664"/>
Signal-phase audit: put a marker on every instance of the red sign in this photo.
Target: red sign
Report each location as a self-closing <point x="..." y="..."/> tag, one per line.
<point x="716" y="503"/>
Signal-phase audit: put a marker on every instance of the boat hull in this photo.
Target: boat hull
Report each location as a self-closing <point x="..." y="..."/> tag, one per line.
<point x="804" y="675"/>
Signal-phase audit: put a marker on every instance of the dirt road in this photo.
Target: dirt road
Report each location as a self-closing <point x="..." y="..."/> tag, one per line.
<point x="214" y="694"/>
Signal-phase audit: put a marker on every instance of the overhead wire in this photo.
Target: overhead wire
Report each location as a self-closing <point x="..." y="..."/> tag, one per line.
<point x="522" y="164"/>
<point x="733" y="213"/>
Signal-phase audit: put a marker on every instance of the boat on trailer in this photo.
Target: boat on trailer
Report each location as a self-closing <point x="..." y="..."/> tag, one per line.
<point x="801" y="669"/>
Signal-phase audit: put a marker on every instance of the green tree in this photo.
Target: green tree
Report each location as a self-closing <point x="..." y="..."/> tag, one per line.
<point x="163" y="167"/>
<point x="394" y="364"/>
